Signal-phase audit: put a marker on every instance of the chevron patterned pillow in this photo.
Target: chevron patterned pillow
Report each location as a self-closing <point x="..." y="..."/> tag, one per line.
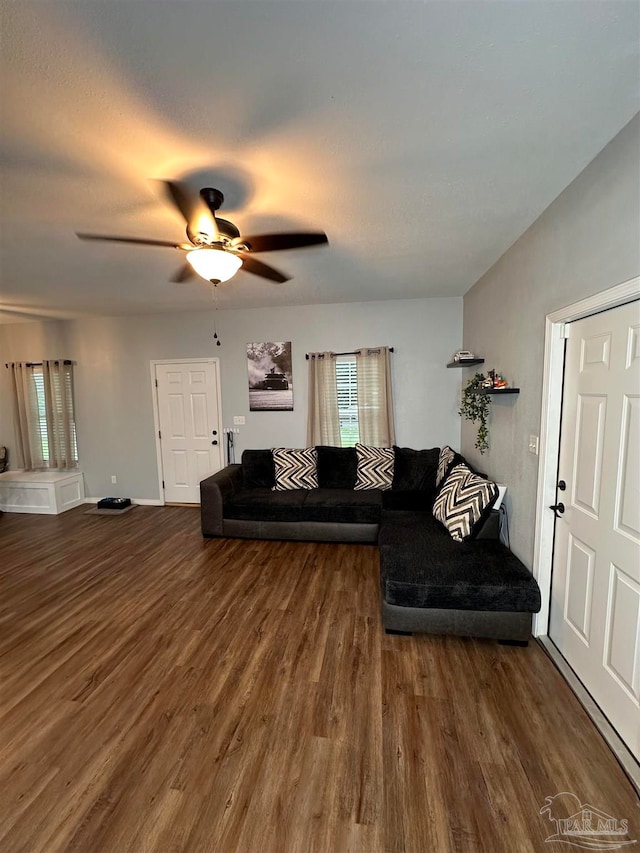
<point x="295" y="469"/>
<point x="464" y="502"/>
<point x="447" y="455"/>
<point x="375" y="467"/>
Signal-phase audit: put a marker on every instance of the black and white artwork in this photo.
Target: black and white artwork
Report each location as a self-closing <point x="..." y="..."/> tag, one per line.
<point x="270" y="377"/>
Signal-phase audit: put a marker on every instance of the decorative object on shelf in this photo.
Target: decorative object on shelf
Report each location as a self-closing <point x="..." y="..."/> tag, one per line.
<point x="475" y="406"/>
<point x="463" y="355"/>
<point x="464" y="358"/>
<point x="495" y="383"/>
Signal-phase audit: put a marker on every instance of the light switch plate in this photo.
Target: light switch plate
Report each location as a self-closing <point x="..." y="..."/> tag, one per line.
<point x="238" y="420"/>
<point x="533" y="444"/>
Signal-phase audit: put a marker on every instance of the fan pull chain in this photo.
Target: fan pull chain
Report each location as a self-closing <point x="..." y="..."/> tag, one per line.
<point x="214" y="296"/>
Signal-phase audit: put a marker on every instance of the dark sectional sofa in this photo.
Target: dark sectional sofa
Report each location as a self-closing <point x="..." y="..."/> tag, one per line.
<point x="429" y="582"/>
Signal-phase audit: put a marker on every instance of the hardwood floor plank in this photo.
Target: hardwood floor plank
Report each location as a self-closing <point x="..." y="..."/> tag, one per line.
<point x="164" y="693"/>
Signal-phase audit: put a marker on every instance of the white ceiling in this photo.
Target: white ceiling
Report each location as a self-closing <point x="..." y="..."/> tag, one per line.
<point x="423" y="137"/>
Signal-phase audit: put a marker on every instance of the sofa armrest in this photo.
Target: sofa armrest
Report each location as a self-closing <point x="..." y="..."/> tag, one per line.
<point x="213" y="492"/>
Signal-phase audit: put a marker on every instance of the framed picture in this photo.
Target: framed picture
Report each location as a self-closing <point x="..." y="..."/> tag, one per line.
<point x="270" y="377"/>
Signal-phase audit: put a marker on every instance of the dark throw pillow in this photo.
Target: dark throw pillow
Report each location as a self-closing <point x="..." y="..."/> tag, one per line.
<point x="464" y="502"/>
<point x="337" y="467"/>
<point x="258" y="471"/>
<point x="414" y="470"/>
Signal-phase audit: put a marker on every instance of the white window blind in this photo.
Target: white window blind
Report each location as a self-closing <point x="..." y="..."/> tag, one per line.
<point x="347" y="388"/>
<point x="61" y="417"/>
<point x="41" y="425"/>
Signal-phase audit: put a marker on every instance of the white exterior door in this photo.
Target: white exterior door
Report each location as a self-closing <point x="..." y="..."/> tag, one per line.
<point x="190" y="432"/>
<point x="595" y="595"/>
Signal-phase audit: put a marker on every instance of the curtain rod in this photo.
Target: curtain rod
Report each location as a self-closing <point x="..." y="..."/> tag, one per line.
<point x="354" y="352"/>
<point x="39" y="363"/>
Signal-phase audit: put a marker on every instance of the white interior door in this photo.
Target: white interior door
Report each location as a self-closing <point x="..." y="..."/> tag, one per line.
<point x="190" y="432"/>
<point x="595" y="594"/>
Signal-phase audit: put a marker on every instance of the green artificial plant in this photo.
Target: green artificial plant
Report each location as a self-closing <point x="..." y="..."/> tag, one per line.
<point x="475" y="406"/>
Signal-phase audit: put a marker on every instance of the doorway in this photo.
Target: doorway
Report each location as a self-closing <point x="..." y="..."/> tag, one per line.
<point x="188" y="424"/>
<point x="595" y="587"/>
<point x="549" y="494"/>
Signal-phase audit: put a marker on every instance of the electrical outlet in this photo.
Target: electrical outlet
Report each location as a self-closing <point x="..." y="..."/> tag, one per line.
<point x="238" y="420"/>
<point x="114" y="479"/>
<point x="533" y="444"/>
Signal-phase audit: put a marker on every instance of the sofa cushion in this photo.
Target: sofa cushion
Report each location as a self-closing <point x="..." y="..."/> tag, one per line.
<point x="375" y="467"/>
<point x="419" y="501"/>
<point x="258" y="471"/>
<point x="295" y="469"/>
<point x="265" y="505"/>
<point x="422" y="566"/>
<point x="414" y="469"/>
<point x="336" y="467"/>
<point x="342" y="505"/>
<point x="464" y="502"/>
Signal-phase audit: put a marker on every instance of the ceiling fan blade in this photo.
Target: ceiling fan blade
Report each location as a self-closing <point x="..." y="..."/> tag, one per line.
<point x="197" y="215"/>
<point x="278" y="242"/>
<point x="138" y="241"/>
<point x="184" y="273"/>
<point x="256" y="267"/>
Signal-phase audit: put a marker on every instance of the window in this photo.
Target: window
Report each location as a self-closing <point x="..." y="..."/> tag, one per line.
<point x="350" y="398"/>
<point x="44" y="415"/>
<point x="62" y="411"/>
<point x="347" y="387"/>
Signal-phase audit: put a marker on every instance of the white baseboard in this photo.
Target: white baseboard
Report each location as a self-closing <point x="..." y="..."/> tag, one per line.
<point x="139" y="501"/>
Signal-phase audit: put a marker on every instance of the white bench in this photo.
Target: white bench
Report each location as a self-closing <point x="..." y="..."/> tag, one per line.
<point x="44" y="492"/>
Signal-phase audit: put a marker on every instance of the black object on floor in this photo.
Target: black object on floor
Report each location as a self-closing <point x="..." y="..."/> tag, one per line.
<point x="114" y="503"/>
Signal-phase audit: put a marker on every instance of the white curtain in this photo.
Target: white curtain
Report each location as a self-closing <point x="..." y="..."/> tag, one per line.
<point x="25" y="417"/>
<point x="58" y="395"/>
<point x="375" y="399"/>
<point x="323" y="423"/>
<point x="44" y="415"/>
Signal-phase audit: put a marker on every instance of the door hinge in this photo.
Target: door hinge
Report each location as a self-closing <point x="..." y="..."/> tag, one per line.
<point x="159" y="434"/>
<point x="163" y="484"/>
<point x="156" y="383"/>
<point x="565" y="331"/>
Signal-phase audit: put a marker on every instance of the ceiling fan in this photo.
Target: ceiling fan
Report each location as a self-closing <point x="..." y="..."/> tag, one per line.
<point x="216" y="249"/>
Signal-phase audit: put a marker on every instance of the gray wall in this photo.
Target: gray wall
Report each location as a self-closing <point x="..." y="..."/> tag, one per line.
<point x="113" y="385"/>
<point x="585" y="242"/>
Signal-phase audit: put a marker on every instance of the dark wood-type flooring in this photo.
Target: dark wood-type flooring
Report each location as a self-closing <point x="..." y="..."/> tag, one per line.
<point x="164" y="693"/>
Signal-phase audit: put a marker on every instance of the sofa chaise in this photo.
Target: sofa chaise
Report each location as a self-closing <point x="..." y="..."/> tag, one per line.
<point x="429" y="581"/>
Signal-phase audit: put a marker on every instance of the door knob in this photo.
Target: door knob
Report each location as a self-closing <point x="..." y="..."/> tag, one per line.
<point x="562" y="485"/>
<point x="214" y="432"/>
<point x="215" y="441"/>
<point x="558" y="509"/>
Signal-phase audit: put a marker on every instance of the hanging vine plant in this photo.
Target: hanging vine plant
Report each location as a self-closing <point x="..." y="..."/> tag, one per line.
<point x="475" y="407"/>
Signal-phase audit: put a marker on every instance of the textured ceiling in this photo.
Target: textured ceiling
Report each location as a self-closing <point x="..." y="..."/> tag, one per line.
<point x="423" y="137"/>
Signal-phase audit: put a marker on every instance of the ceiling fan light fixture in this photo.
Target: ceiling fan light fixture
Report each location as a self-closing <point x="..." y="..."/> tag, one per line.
<point x="214" y="264"/>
